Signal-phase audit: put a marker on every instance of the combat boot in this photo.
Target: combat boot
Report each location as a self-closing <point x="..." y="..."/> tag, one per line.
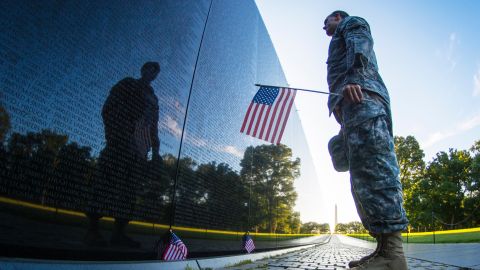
<point x="362" y="260"/>
<point x="390" y="255"/>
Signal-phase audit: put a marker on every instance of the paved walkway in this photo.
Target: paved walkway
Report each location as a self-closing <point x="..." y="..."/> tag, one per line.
<point x="340" y="250"/>
<point x="334" y="254"/>
<point x="465" y="255"/>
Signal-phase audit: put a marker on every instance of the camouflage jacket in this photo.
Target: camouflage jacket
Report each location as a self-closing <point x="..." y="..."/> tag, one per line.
<point x="351" y="60"/>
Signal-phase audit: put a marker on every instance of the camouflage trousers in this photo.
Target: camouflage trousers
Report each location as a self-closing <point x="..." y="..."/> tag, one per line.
<point x="374" y="172"/>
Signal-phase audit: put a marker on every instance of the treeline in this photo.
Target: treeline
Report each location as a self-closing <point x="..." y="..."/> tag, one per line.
<point x="49" y="169"/>
<point x="351" y="227"/>
<point x="315" y="228"/>
<point x="443" y="193"/>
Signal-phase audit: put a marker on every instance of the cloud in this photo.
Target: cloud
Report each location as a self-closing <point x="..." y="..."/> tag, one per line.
<point x="470" y="123"/>
<point x="195" y="141"/>
<point x="232" y="150"/>
<point x="462" y="127"/>
<point x="453" y="37"/>
<point x="436" y="137"/>
<point x="174" y="129"/>
<point x="451" y="50"/>
<point x="476" y="83"/>
<point x="173" y="126"/>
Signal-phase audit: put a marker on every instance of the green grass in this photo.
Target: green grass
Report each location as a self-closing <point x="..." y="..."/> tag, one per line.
<point x="242" y="263"/>
<point x="467" y="237"/>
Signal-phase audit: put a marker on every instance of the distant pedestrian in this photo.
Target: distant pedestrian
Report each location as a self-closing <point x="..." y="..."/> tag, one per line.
<point x="364" y="145"/>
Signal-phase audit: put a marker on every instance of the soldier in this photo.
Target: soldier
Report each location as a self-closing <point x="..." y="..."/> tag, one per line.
<point x="130" y="117"/>
<point x="364" y="145"/>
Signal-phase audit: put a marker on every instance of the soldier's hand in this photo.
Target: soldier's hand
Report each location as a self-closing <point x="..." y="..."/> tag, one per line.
<point x="353" y="93"/>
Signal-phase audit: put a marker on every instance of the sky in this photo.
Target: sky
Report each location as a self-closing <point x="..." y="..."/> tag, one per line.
<point x="428" y="54"/>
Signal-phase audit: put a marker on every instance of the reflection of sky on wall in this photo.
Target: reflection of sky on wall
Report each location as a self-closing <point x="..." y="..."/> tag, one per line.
<point x="236" y="53"/>
<point x="224" y="84"/>
<point x="61" y="61"/>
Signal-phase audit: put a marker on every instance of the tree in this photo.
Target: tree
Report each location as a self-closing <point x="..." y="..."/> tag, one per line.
<point x="446" y="180"/>
<point x="4" y="124"/>
<point x="269" y="172"/>
<point x="73" y="171"/>
<point x="314" y="227"/>
<point x="351" y="227"/>
<point x="410" y="160"/>
<point x="4" y="128"/>
<point x="224" y="196"/>
<point x="472" y="192"/>
<point x="294" y="223"/>
<point x="324" y="228"/>
<point x="188" y="194"/>
<point x="31" y="163"/>
<point x="412" y="167"/>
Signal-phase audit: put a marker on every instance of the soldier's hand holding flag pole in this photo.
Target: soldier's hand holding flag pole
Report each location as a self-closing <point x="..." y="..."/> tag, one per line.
<point x="268" y="113"/>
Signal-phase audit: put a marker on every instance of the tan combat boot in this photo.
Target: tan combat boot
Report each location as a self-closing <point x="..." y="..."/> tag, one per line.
<point x="362" y="260"/>
<point x="389" y="257"/>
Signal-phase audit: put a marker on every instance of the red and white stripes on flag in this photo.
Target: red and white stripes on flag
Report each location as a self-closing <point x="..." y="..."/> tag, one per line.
<point x="248" y="244"/>
<point x="142" y="138"/>
<point x="268" y="113"/>
<point x="175" y="250"/>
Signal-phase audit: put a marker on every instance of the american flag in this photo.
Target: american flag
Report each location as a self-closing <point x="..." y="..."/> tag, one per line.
<point x="143" y="141"/>
<point x="268" y="113"/>
<point x="175" y="249"/>
<point x="248" y="244"/>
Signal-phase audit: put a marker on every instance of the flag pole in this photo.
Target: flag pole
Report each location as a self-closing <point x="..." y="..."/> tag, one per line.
<point x="299" y="89"/>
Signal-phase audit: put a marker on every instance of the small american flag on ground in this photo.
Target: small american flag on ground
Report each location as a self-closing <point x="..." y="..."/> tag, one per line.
<point x="248" y="244"/>
<point x="175" y="249"/>
<point x="268" y="113"/>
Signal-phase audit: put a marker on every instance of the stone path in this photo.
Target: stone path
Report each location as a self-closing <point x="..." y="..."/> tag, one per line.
<point x="334" y="255"/>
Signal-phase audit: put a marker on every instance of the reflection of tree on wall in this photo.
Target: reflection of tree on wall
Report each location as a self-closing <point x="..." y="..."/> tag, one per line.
<point x="4" y="128"/>
<point x="44" y="168"/>
<point x="188" y="192"/>
<point x="153" y="198"/>
<point x="47" y="168"/>
<point x="76" y="163"/>
<point x="223" y="195"/>
<point x="4" y="124"/>
<point x="271" y="172"/>
<point x="31" y="163"/>
<point x="262" y="196"/>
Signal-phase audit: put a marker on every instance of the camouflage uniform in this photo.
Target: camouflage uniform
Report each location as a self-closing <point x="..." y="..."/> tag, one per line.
<point x="365" y="142"/>
<point x="122" y="164"/>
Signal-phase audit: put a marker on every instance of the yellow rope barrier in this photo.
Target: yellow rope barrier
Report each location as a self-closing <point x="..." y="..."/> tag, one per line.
<point x="469" y="230"/>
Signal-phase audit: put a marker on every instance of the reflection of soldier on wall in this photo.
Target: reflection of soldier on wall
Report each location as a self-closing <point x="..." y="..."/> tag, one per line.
<point x="130" y="117"/>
